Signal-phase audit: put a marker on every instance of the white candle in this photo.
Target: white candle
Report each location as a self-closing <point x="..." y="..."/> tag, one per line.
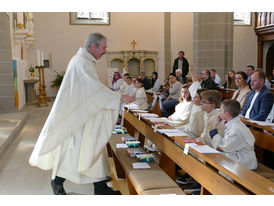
<point x="38" y="57"/>
<point x="20" y="18"/>
<point x="42" y="58"/>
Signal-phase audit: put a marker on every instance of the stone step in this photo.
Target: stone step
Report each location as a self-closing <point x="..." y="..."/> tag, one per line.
<point x="11" y="125"/>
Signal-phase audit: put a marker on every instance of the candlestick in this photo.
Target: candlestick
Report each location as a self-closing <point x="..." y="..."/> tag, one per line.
<point x="42" y="58"/>
<point x="38" y="58"/>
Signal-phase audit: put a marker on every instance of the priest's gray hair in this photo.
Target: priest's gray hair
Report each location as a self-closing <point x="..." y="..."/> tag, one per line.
<point x="94" y="38"/>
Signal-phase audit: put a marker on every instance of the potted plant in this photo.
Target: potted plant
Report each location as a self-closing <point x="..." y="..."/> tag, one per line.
<point x="31" y="70"/>
<point x="58" y="79"/>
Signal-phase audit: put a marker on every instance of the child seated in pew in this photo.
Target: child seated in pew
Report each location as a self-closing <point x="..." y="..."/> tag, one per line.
<point x="128" y="87"/>
<point x="140" y="99"/>
<point x="195" y="126"/>
<point x="211" y="100"/>
<point x="183" y="109"/>
<point x="237" y="143"/>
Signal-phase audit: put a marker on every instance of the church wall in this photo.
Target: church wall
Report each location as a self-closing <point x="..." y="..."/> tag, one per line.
<point x="182" y="35"/>
<point x="55" y="35"/>
<point x="244" y="46"/>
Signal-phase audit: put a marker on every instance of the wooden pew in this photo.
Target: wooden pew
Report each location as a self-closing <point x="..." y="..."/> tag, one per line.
<point x="142" y="182"/>
<point x="263" y="141"/>
<point x="156" y="109"/>
<point x="226" y="93"/>
<point x="206" y="172"/>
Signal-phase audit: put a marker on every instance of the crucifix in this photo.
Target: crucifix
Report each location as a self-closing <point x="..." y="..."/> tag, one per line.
<point x="133" y="43"/>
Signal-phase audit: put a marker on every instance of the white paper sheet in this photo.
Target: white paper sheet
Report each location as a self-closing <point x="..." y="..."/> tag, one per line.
<point x="203" y="148"/>
<point x="140" y="165"/>
<point x="149" y="115"/>
<point x="169" y="130"/>
<point x="139" y="111"/>
<point x="262" y="123"/>
<point x="161" y="119"/>
<point x="121" y="145"/>
<point x="175" y="134"/>
<point x="132" y="106"/>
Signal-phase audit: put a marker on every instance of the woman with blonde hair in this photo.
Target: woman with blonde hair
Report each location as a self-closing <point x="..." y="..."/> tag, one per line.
<point x="182" y="110"/>
<point x="230" y="80"/>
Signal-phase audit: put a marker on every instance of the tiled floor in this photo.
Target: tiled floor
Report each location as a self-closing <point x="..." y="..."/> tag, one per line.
<point x="17" y="177"/>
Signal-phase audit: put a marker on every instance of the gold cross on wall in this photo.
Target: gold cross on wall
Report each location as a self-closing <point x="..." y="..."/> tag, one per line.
<point x="133" y="43"/>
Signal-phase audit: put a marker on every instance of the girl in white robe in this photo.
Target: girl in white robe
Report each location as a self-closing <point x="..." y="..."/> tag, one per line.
<point x="140" y="96"/>
<point x="183" y="109"/>
<point x="117" y="81"/>
<point x="195" y="126"/>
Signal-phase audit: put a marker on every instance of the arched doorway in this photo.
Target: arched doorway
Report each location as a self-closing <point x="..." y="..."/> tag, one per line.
<point x="270" y="61"/>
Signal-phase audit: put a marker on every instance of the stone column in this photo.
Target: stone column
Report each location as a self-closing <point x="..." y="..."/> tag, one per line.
<point x="213" y="41"/>
<point x="7" y="101"/>
<point x="167" y="43"/>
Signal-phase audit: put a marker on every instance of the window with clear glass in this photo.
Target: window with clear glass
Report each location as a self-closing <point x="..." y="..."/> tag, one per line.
<point x="242" y="18"/>
<point x="96" y="18"/>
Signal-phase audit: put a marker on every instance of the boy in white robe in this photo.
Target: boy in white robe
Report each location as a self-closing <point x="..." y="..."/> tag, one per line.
<point x="211" y="100"/>
<point x="238" y="141"/>
<point x="73" y="140"/>
<point x="128" y="86"/>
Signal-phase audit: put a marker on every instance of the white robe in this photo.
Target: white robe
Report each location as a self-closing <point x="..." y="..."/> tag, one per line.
<point x="129" y="90"/>
<point x="237" y="143"/>
<point x="182" y="113"/>
<point x="141" y="98"/>
<point x="195" y="126"/>
<point x="73" y="139"/>
<point x="117" y="85"/>
<point x="209" y="119"/>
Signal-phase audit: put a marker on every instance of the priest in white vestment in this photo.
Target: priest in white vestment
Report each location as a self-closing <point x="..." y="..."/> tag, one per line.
<point x="73" y="140"/>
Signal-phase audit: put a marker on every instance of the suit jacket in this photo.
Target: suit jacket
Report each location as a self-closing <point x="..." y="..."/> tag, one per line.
<point x="146" y="83"/>
<point x="209" y="84"/>
<point x="262" y="105"/>
<point x="184" y="68"/>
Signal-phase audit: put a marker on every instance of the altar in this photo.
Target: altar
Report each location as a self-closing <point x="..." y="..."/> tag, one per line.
<point x="29" y="89"/>
<point x="134" y="61"/>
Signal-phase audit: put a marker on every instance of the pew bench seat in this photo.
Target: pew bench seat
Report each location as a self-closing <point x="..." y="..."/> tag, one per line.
<point x="142" y="181"/>
<point x="265" y="171"/>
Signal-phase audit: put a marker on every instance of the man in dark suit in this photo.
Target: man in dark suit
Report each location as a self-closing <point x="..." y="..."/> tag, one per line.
<point x="249" y="70"/>
<point x="208" y="82"/>
<point x="146" y="81"/>
<point x="260" y="99"/>
<point x="182" y="64"/>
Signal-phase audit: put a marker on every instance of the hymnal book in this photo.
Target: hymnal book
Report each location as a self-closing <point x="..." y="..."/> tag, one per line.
<point x="124" y="139"/>
<point x="132" y="152"/>
<point x="145" y="157"/>
<point x="120" y="130"/>
<point x="132" y="143"/>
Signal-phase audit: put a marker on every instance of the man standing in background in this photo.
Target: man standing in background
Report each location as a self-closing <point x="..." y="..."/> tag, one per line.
<point x="182" y="64"/>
